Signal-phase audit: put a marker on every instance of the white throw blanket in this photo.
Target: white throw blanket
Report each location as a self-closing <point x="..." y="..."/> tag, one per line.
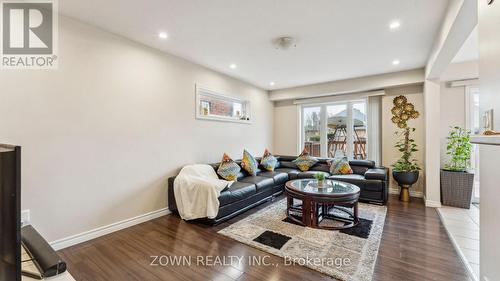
<point x="196" y="191"/>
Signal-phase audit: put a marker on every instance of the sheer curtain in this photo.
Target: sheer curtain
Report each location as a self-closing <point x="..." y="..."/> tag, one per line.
<point x="374" y="111"/>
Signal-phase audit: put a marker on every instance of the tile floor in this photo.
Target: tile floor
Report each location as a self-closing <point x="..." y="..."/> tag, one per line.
<point x="463" y="227"/>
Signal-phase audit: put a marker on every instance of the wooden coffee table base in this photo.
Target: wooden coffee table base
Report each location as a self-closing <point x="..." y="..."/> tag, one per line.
<point x="312" y="213"/>
<point x="350" y="219"/>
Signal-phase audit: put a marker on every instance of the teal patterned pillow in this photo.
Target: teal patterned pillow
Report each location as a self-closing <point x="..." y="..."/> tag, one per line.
<point x="228" y="169"/>
<point x="305" y="161"/>
<point x="268" y="161"/>
<point x="249" y="164"/>
<point x="340" y="166"/>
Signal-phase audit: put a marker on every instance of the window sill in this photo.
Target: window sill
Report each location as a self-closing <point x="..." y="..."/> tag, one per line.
<point x="222" y="119"/>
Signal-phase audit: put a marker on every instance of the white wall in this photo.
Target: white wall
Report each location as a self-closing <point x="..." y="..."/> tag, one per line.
<point x="452" y="113"/>
<point x="101" y="134"/>
<point x="349" y="86"/>
<point x="286" y="130"/>
<point x="461" y="71"/>
<point x="489" y="69"/>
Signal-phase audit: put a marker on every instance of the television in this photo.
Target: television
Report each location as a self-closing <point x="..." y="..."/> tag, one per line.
<point x="10" y="213"/>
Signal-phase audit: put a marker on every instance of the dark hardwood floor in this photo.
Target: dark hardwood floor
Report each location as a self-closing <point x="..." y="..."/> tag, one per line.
<point x="415" y="246"/>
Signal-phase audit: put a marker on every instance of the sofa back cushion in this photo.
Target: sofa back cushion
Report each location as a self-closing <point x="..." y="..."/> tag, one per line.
<point x="360" y="167"/>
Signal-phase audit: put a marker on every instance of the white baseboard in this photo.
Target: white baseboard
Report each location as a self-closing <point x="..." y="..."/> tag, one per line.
<point x="432" y="203"/>
<point x="417" y="194"/>
<point x="103" y="230"/>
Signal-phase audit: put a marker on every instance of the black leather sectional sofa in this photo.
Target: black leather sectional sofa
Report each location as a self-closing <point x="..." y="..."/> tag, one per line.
<point x="250" y="191"/>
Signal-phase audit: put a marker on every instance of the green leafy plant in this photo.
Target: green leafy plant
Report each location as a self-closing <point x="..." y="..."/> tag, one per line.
<point x="407" y="146"/>
<point x="319" y="176"/>
<point x="314" y="138"/>
<point x="459" y="148"/>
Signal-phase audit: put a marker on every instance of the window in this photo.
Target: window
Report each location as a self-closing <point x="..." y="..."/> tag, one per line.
<point x="343" y="133"/>
<point x="312" y="130"/>
<point x="214" y="106"/>
<point x="337" y="130"/>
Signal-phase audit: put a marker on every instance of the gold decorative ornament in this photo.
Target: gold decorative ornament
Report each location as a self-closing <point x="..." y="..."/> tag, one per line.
<point x="409" y="107"/>
<point x="403" y="111"/>
<point x="400" y="101"/>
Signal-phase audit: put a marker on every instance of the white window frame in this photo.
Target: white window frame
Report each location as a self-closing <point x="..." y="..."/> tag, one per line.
<point x="203" y="91"/>
<point x="324" y="125"/>
<point x="469" y="108"/>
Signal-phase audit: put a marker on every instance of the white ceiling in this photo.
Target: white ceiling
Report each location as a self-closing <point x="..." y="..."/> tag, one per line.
<point x="336" y="39"/>
<point x="470" y="49"/>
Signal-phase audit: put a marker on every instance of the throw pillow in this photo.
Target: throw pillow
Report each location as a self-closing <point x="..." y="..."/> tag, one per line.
<point x="249" y="164"/>
<point x="305" y="161"/>
<point x="268" y="161"/>
<point x="228" y="169"/>
<point x="340" y="166"/>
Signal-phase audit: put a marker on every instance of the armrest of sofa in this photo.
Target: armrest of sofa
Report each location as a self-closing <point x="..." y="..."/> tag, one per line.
<point x="172" y="205"/>
<point x="380" y="173"/>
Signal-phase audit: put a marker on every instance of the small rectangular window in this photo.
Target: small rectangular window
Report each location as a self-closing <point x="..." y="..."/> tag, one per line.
<point x="214" y="106"/>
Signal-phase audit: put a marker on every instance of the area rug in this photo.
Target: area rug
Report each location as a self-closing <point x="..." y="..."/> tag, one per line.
<point x="345" y="255"/>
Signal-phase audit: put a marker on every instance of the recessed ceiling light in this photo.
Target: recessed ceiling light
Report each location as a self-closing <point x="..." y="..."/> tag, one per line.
<point x="395" y="62"/>
<point x="271" y="83"/>
<point x="163" y="35"/>
<point x="232" y="66"/>
<point x="394" y="25"/>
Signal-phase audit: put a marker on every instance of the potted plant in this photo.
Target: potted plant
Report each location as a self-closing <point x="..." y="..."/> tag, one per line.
<point x="320" y="177"/>
<point x="456" y="181"/>
<point x="406" y="170"/>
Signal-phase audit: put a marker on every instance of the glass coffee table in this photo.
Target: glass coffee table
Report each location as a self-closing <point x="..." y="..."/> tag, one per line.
<point x="335" y="201"/>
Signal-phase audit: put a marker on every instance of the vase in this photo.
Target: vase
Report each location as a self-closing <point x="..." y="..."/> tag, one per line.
<point x="405" y="180"/>
<point x="321" y="183"/>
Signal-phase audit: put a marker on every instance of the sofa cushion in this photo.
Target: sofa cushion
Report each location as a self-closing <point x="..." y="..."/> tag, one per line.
<point x="287" y="164"/>
<point x="362" y="163"/>
<point x="249" y="164"/>
<point x="340" y="166"/>
<point x="228" y="169"/>
<point x="361" y="166"/>
<point x="292" y="173"/>
<point x="360" y="181"/>
<point x="323" y="167"/>
<point x="355" y="179"/>
<point x="237" y="191"/>
<point x="260" y="182"/>
<point x="310" y="174"/>
<point x="376" y="174"/>
<point x="278" y="177"/>
<point x="268" y="161"/>
<point x="305" y="161"/>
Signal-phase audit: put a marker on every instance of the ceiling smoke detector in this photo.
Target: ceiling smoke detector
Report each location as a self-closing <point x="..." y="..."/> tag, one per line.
<point x="284" y="43"/>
